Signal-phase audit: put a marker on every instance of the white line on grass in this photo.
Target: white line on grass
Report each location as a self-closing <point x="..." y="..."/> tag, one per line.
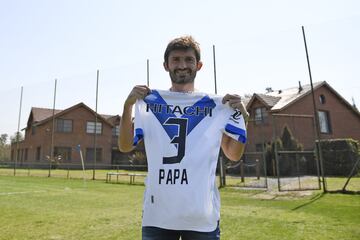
<point x="13" y="193"/>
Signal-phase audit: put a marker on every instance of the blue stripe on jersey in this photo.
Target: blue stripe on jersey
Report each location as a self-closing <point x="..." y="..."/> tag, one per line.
<point x="193" y="121"/>
<point x="153" y="98"/>
<point x="139" y="134"/>
<point x="236" y="131"/>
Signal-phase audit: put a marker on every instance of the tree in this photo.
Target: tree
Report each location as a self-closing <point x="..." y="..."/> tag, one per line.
<point x="17" y="137"/>
<point x="286" y="142"/>
<point x="3" y="139"/>
<point x="4" y="148"/>
<point x="289" y="142"/>
<point x="270" y="156"/>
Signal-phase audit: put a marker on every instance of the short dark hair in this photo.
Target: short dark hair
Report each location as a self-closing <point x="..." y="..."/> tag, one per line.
<point x="182" y="43"/>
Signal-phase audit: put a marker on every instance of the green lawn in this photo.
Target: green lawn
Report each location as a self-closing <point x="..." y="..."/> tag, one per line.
<point x="100" y="174"/>
<point x="58" y="208"/>
<point x="333" y="184"/>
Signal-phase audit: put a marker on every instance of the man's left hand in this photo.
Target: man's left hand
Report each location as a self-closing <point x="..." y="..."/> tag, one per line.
<point x="236" y="103"/>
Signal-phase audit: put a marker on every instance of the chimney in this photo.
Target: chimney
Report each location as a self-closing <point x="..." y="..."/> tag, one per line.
<point x="353" y="101"/>
<point x="269" y="90"/>
<point x="300" y="87"/>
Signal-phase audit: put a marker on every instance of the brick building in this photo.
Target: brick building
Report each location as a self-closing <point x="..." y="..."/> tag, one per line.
<point x="271" y="112"/>
<point x="73" y="126"/>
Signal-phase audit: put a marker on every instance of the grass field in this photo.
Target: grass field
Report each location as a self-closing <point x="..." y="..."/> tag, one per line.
<point x="333" y="184"/>
<point x="58" y="208"/>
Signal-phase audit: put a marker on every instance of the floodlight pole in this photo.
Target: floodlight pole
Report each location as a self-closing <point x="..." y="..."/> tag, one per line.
<point x="215" y="84"/>
<point x="221" y="161"/>
<point x="17" y="133"/>
<point x="96" y="120"/>
<point x="78" y="148"/>
<point x="317" y="127"/>
<point x="52" y="131"/>
<point x="147" y="73"/>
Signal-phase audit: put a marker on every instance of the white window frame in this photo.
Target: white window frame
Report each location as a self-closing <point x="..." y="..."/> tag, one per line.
<point x="260" y="115"/>
<point x="115" y="131"/>
<point x="324" y="122"/>
<point x="64" y="125"/>
<point x="90" y="127"/>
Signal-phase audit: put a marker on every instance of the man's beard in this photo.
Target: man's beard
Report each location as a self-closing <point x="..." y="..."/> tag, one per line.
<point x="184" y="78"/>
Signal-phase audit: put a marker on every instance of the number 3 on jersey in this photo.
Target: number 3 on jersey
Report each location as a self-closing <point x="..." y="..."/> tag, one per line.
<point x="179" y="139"/>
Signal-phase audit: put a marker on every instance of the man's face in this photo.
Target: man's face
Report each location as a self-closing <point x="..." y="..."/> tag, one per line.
<point x="182" y="66"/>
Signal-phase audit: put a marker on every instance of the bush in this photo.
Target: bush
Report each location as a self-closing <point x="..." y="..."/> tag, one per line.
<point x="287" y="142"/>
<point x="137" y="158"/>
<point x="339" y="156"/>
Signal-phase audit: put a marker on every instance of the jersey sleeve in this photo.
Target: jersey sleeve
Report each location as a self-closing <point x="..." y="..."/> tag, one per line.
<point x="138" y="124"/>
<point x="235" y="126"/>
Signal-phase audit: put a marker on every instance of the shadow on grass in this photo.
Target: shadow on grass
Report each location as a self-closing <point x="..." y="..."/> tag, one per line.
<point x="257" y="192"/>
<point x="125" y="183"/>
<point x="345" y="192"/>
<point x="312" y="200"/>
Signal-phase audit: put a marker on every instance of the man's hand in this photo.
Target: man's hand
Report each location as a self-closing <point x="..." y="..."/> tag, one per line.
<point x="138" y="92"/>
<point x="126" y="135"/>
<point x="232" y="148"/>
<point x="236" y="103"/>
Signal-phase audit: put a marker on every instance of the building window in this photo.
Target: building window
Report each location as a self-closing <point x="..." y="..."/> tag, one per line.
<point x="26" y="154"/>
<point x="33" y="130"/>
<point x="261" y="115"/>
<point x="38" y="154"/>
<point x="64" y="125"/>
<point x="259" y="147"/>
<point x="324" y="122"/>
<point x="322" y="99"/>
<point x="90" y="154"/>
<point x="62" y="154"/>
<point x="116" y="130"/>
<point x="90" y="127"/>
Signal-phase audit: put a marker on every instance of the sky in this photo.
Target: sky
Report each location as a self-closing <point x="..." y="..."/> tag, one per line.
<point x="258" y="44"/>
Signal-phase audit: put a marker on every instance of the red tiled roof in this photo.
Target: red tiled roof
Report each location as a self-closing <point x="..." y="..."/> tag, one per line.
<point x="106" y="116"/>
<point x="290" y="95"/>
<point x="280" y="99"/>
<point x="40" y="114"/>
<point x="269" y="100"/>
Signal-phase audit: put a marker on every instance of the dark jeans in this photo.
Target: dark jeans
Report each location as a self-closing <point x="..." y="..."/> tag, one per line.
<point x="154" y="233"/>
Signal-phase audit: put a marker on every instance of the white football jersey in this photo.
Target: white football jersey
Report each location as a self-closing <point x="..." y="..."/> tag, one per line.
<point x="182" y="133"/>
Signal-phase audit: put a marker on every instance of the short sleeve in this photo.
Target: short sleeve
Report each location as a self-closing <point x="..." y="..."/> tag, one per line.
<point x="138" y="123"/>
<point x="236" y="127"/>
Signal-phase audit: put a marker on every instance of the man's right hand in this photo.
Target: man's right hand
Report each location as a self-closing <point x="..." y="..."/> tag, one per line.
<point x="138" y="92"/>
<point x="126" y="135"/>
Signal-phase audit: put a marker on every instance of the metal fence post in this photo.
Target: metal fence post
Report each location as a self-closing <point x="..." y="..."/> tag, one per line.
<point x="242" y="170"/>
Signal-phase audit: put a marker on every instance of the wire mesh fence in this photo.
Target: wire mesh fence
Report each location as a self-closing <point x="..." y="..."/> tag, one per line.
<point x="344" y="164"/>
<point x="298" y="170"/>
<point x="128" y="174"/>
<point x="74" y="171"/>
<point x="294" y="151"/>
<point x="249" y="172"/>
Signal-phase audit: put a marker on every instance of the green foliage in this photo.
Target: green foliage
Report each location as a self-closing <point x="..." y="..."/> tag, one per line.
<point x="289" y="142"/>
<point x="17" y="137"/>
<point x="4" y="148"/>
<point x="286" y="142"/>
<point x="3" y="139"/>
<point x="137" y="158"/>
<point x="339" y="156"/>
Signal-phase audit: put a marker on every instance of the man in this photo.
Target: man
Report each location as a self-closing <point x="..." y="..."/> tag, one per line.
<point x="182" y="130"/>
